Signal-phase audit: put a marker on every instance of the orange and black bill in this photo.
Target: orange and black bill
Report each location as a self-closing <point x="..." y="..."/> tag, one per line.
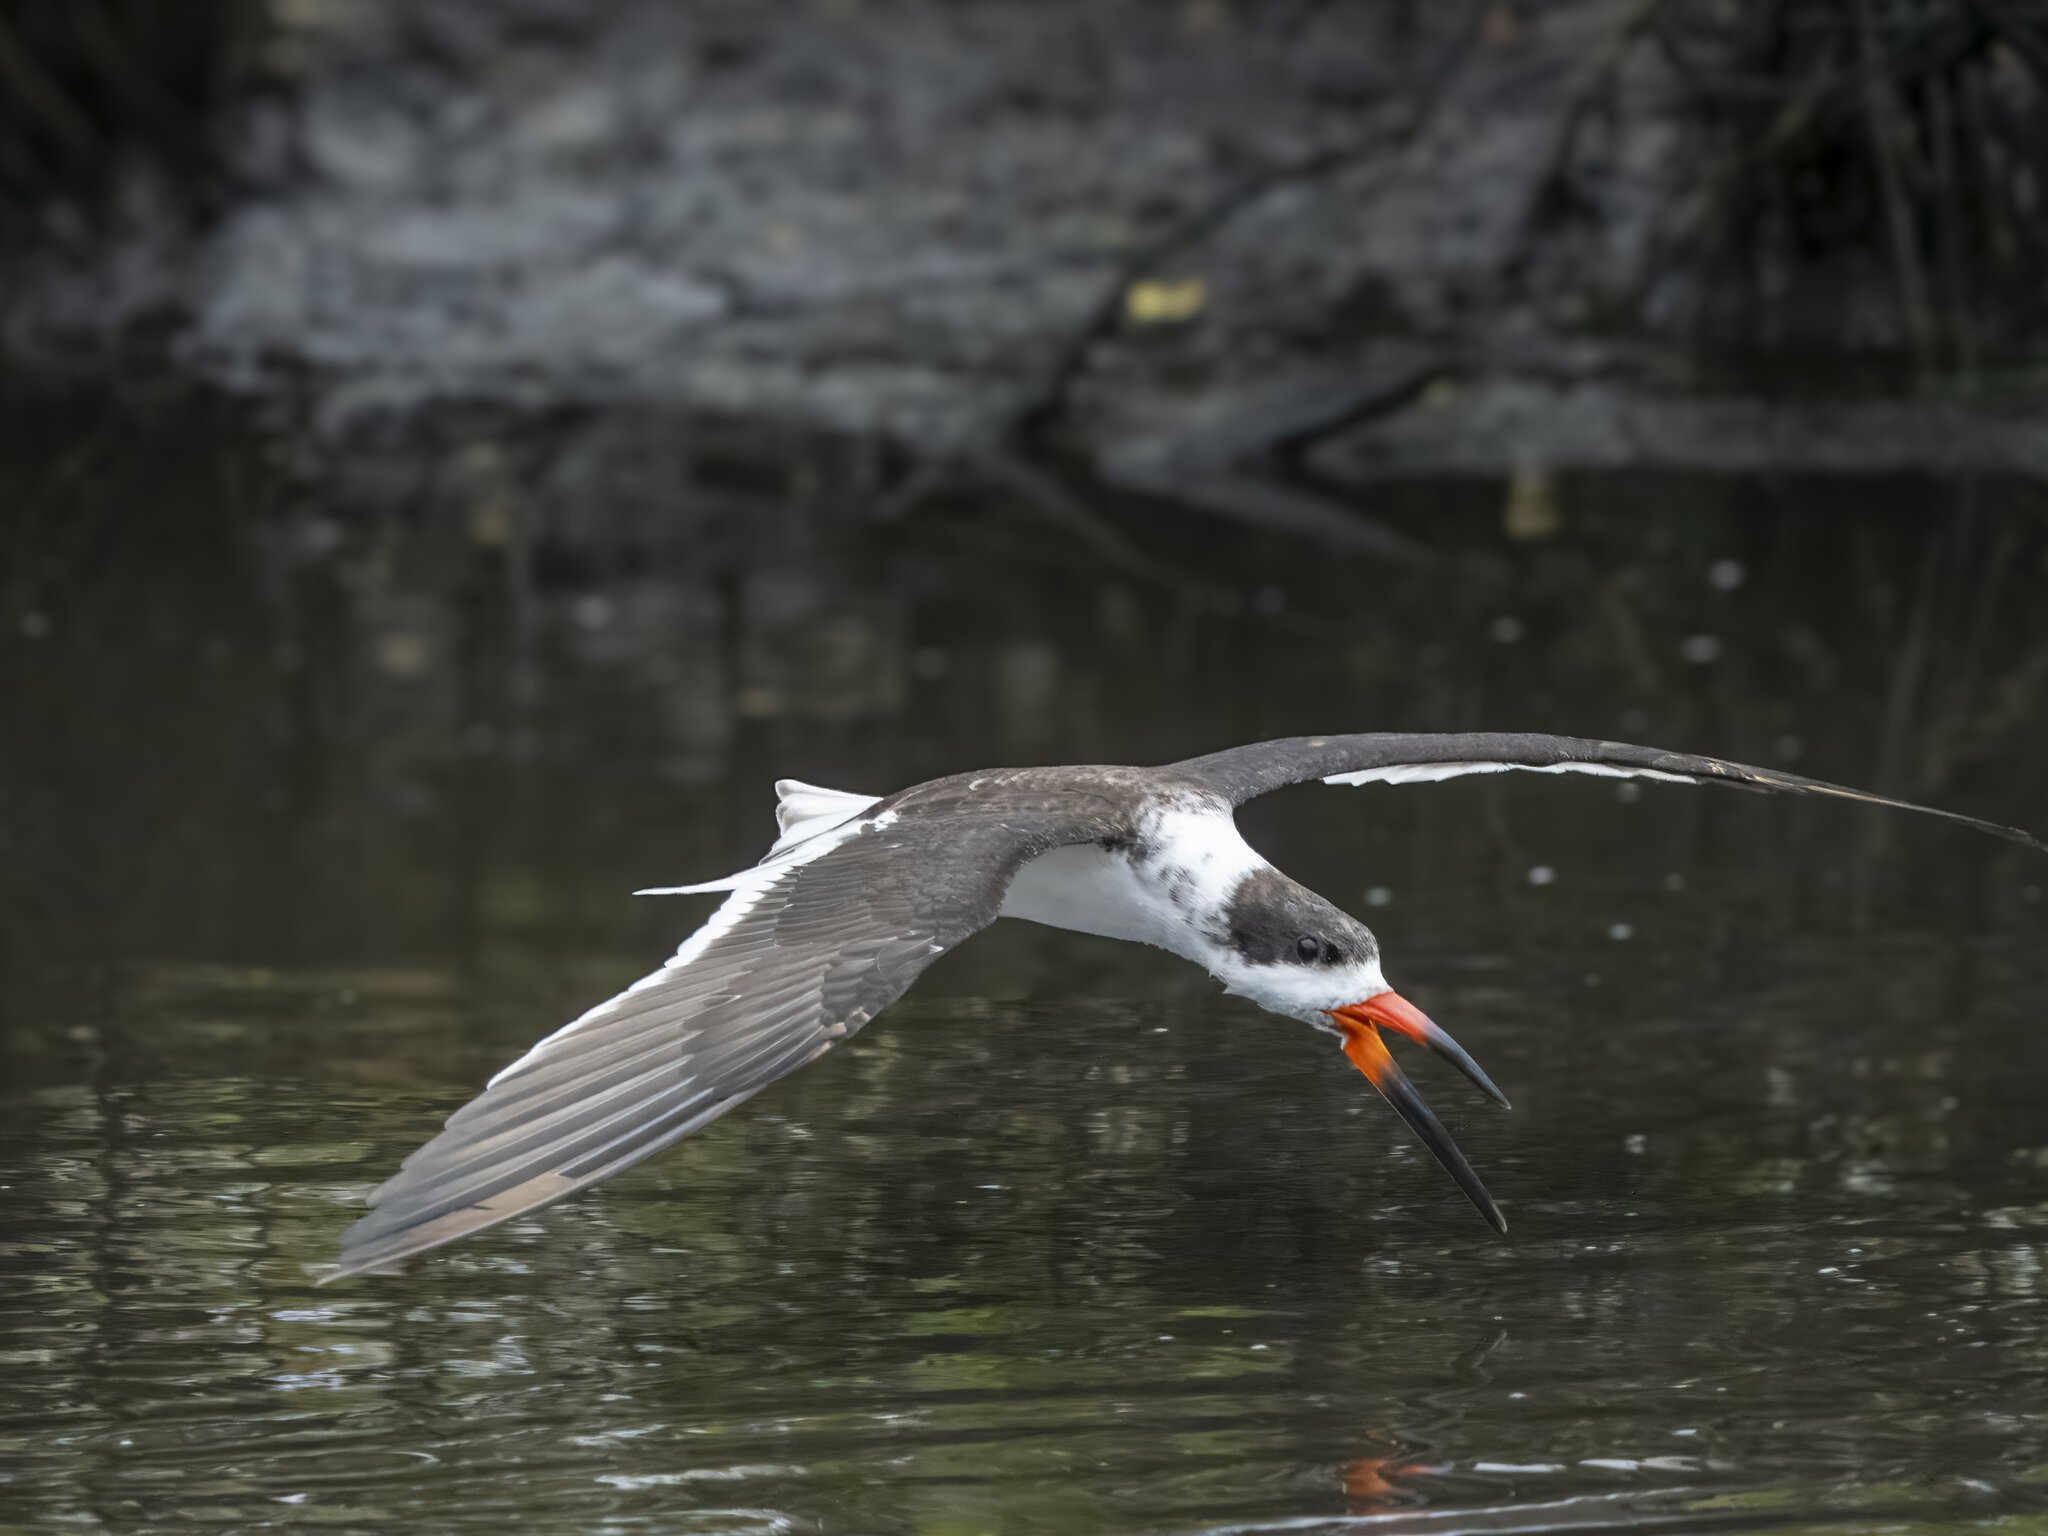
<point x="1390" y="1010"/>
<point x="1360" y="1024"/>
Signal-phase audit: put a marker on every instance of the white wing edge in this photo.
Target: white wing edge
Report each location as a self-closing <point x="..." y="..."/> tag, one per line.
<point x="748" y="887"/>
<point x="803" y="812"/>
<point x="1431" y="773"/>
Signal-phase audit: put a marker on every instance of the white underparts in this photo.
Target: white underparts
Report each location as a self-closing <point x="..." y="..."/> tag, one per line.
<point x="1166" y="887"/>
<point x="1431" y="773"/>
<point x="1085" y="889"/>
<point x="1172" y="886"/>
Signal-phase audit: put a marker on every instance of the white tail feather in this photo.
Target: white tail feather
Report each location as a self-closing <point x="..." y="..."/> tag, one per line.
<point x="803" y="810"/>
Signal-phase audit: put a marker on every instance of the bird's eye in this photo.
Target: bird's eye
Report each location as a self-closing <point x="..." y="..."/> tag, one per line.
<point x="1308" y="949"/>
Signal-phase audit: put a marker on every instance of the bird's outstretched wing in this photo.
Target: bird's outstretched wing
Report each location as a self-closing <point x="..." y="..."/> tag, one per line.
<point x="812" y="943"/>
<point x="1243" y="773"/>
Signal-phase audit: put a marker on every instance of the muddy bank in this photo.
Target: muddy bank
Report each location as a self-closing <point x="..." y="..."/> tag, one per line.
<point x="1134" y="230"/>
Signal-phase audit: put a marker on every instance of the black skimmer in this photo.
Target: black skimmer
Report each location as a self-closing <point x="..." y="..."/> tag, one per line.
<point x="860" y="894"/>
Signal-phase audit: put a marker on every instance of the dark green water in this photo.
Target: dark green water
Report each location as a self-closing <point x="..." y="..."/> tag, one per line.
<point x="322" y="783"/>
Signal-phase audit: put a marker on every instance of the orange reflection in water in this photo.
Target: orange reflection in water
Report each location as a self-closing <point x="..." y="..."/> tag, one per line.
<point x="1370" y="1481"/>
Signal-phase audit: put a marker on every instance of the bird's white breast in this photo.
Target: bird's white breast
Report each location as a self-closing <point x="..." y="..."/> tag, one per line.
<point x="1168" y="886"/>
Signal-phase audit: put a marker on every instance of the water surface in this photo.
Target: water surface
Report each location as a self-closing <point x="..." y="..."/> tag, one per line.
<point x="322" y="795"/>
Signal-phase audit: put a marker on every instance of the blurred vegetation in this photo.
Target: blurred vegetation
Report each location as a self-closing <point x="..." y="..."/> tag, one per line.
<point x="1855" y="146"/>
<point x="93" y="89"/>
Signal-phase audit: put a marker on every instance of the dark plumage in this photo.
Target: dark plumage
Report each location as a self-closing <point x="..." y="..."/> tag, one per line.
<point x="1272" y="920"/>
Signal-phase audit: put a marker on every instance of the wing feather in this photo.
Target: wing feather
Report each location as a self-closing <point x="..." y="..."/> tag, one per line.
<point x="807" y="948"/>
<point x="1243" y="773"/>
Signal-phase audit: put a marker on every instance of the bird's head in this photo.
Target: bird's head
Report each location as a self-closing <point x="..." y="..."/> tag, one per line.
<point x="1294" y="954"/>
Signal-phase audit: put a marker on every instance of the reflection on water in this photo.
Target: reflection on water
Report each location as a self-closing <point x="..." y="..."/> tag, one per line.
<point x="321" y="795"/>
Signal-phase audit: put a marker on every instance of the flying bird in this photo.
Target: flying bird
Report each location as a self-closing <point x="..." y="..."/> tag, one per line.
<point x="859" y="894"/>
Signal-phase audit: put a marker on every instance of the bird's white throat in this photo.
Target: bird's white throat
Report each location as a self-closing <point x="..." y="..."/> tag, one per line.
<point x="1167" y="886"/>
<point x="1171" y="887"/>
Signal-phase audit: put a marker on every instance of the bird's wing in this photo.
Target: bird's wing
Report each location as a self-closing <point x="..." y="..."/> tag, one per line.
<point x="810" y="945"/>
<point x="1242" y="773"/>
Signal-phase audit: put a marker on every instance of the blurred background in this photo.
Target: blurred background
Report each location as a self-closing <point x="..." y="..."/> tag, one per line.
<point x="455" y="455"/>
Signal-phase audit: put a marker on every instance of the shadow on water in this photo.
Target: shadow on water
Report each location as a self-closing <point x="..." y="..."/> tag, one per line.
<point x="324" y="779"/>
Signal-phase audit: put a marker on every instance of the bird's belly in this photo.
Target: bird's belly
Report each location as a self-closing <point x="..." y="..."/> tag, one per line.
<point x="1088" y="890"/>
